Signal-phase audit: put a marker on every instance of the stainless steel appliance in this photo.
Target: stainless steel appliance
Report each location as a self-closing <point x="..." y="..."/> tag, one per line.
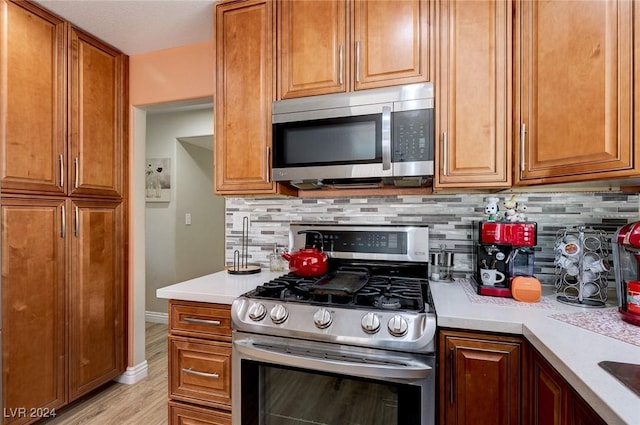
<point x="355" y="346"/>
<point x="504" y="250"/>
<point x="626" y="259"/>
<point x="366" y="135"/>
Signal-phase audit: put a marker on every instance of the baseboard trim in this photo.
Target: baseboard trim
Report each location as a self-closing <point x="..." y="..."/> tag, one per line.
<point x="156" y="317"/>
<point x="134" y="374"/>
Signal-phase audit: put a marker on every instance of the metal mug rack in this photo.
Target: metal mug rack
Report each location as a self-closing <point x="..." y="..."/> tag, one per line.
<point x="582" y="266"/>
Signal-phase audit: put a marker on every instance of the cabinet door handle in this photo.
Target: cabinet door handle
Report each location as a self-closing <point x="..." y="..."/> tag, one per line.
<point x="341" y="64"/>
<point x="63" y="222"/>
<point x="61" y="159"/>
<point x="198" y="373"/>
<point x="444" y="154"/>
<point x="523" y="131"/>
<point x="452" y="379"/>
<point x="268" y="176"/>
<point x="386" y="138"/>
<point x="76" y="230"/>
<point x="202" y="321"/>
<point x="75" y="163"/>
<point x="357" y="61"/>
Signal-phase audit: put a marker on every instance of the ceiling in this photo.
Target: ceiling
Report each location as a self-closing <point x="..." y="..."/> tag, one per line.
<point x="139" y="26"/>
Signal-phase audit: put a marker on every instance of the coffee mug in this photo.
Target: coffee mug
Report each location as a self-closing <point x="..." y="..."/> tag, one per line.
<point x="589" y="289"/>
<point x="491" y="276"/>
<point x="565" y="262"/>
<point x="570" y="249"/>
<point x="595" y="264"/>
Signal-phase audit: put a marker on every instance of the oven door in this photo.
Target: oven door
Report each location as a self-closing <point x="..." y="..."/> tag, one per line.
<point x="337" y="143"/>
<point x="285" y="381"/>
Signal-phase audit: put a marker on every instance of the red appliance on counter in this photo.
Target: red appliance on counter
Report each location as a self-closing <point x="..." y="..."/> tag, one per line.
<point x="626" y="257"/>
<point x="504" y="251"/>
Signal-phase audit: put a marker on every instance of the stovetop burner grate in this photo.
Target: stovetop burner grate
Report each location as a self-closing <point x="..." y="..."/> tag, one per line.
<point x="379" y="292"/>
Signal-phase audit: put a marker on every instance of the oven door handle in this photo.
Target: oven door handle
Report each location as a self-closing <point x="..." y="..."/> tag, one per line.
<point x="410" y="369"/>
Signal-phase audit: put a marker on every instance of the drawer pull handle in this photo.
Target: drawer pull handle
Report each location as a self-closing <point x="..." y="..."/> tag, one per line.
<point x="202" y="321"/>
<point x="198" y="373"/>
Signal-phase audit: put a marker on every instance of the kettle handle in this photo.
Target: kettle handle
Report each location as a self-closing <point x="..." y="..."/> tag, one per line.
<point x="317" y="232"/>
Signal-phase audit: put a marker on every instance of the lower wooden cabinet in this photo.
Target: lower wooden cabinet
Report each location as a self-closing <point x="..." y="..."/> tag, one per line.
<point x="62" y="301"/>
<point x="553" y="401"/>
<point x="480" y="379"/>
<point x="185" y="414"/>
<point x="199" y="363"/>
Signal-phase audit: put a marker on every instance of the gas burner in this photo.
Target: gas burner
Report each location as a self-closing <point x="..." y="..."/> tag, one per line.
<point x="387" y="303"/>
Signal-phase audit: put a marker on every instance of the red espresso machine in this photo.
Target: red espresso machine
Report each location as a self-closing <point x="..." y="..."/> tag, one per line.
<point x="503" y="251"/>
<point x="626" y="259"/>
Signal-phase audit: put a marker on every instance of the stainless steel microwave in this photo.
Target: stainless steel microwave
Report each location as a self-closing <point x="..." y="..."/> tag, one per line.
<point x="377" y="133"/>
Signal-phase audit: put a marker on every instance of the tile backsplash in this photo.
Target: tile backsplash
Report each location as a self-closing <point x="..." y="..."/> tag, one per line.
<point x="450" y="218"/>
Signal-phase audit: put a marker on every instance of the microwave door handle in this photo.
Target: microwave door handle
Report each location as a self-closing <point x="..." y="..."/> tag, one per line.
<point x="386" y="138"/>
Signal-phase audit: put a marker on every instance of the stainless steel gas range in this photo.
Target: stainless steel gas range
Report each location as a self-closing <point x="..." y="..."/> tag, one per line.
<point x="355" y="346"/>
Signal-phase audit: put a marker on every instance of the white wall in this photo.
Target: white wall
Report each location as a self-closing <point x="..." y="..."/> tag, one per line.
<point x="166" y="237"/>
<point x="199" y="245"/>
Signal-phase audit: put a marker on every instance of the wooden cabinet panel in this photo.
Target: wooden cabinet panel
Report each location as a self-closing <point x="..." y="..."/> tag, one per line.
<point x="548" y="393"/>
<point x="200" y="372"/>
<point x="65" y="125"/>
<point x="33" y="322"/>
<point x="209" y="321"/>
<point x="480" y="379"/>
<point x="390" y="43"/>
<point x="96" y="295"/>
<point x="96" y="117"/>
<point x="245" y="84"/>
<point x="343" y="45"/>
<point x="574" y="100"/>
<point x="473" y="93"/>
<point x="187" y="414"/>
<point x="33" y="129"/>
<point x="583" y="414"/>
<point x="553" y="400"/>
<point x="312" y="47"/>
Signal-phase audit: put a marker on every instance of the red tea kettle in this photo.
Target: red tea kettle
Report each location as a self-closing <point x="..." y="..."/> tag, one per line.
<point x="308" y="262"/>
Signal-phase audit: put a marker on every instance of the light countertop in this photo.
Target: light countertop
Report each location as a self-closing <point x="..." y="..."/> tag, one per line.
<point x="572" y="350"/>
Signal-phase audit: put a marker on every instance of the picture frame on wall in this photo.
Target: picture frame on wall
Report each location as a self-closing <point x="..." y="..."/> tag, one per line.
<point x="158" y="180"/>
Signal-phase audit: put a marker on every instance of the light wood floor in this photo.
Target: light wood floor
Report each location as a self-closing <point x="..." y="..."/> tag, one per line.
<point x="143" y="403"/>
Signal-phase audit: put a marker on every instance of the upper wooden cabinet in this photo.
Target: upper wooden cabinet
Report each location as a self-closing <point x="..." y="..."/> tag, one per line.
<point x="473" y="93"/>
<point x="96" y="104"/>
<point x="574" y="91"/>
<point x="342" y="45"/>
<point x="245" y="84"/>
<point x="32" y="99"/>
<point x="63" y="98"/>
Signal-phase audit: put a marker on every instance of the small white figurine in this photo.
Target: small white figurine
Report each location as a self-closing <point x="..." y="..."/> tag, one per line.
<point x="521" y="210"/>
<point x="511" y="215"/>
<point x="491" y="208"/>
<point x="510" y="208"/>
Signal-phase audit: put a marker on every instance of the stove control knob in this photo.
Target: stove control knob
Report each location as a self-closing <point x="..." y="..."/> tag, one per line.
<point x="398" y="326"/>
<point x="322" y="318"/>
<point x="279" y="314"/>
<point x="370" y="323"/>
<point x="257" y="311"/>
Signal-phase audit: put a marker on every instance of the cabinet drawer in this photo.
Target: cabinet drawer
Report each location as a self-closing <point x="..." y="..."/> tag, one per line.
<point x="200" y="372"/>
<point x="200" y="320"/>
<point x="183" y="414"/>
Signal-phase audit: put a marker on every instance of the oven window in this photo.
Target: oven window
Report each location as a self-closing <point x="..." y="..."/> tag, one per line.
<point x="288" y="396"/>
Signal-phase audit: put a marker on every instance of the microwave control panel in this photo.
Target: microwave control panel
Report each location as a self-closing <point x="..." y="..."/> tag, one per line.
<point x="412" y="135"/>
